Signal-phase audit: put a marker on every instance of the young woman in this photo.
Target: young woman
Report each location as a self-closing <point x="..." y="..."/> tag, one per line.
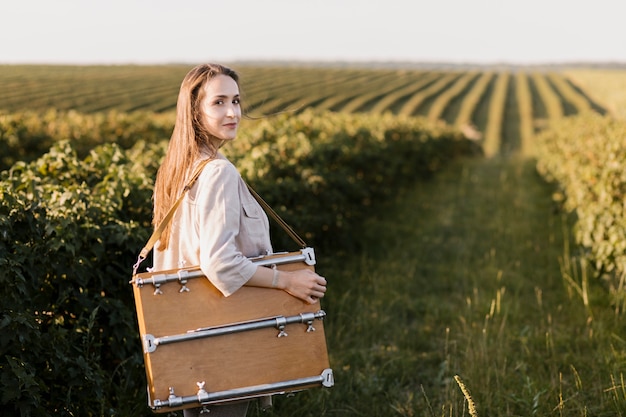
<point x="219" y="225"/>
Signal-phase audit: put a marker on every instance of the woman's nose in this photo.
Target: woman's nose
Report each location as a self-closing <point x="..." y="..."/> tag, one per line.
<point x="231" y="111"/>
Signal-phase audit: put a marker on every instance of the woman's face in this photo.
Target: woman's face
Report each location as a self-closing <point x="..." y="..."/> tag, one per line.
<point x="220" y="107"/>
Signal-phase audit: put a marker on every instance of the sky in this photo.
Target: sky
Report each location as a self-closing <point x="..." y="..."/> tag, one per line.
<point x="195" y="31"/>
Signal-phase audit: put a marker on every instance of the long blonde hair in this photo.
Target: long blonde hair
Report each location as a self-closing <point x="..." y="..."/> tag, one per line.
<point x="188" y="140"/>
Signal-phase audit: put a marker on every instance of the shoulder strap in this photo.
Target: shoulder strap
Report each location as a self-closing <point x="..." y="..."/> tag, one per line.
<point x="168" y="217"/>
<point x="293" y="235"/>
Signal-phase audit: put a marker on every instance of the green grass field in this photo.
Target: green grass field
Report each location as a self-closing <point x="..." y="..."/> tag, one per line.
<point x="472" y="276"/>
<point x="468" y="296"/>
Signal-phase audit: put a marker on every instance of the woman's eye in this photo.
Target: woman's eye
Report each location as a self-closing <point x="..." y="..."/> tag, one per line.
<point x="236" y="101"/>
<point x="219" y="102"/>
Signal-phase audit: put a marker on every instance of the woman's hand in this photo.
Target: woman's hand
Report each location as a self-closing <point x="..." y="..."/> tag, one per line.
<point x="303" y="284"/>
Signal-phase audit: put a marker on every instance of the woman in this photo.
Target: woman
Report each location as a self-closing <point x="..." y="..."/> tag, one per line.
<point x="219" y="225"/>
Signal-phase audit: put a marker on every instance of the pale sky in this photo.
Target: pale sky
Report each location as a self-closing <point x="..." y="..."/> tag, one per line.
<point x="194" y="31"/>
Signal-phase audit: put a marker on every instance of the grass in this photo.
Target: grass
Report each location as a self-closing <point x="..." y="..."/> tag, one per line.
<point x="467" y="299"/>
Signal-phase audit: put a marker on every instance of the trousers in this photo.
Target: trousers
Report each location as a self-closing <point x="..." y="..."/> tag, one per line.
<point x="226" y="410"/>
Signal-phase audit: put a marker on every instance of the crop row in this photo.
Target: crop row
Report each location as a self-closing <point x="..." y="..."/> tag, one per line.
<point x="607" y="86"/>
<point x="503" y="108"/>
<point x="585" y="156"/>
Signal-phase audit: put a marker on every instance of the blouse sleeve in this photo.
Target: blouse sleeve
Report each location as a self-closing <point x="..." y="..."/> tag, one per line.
<point x="218" y="221"/>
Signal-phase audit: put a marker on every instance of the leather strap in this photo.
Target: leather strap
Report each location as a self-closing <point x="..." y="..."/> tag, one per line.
<point x="168" y="217"/>
<point x="269" y="210"/>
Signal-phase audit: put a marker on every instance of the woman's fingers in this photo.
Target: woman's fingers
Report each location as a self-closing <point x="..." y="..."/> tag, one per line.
<point x="308" y="285"/>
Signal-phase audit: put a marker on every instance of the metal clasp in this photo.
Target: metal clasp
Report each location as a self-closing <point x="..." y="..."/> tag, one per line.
<point x="308" y="319"/>
<point x="182" y="278"/>
<point x="173" y="400"/>
<point x="157" y="289"/>
<point x="203" y="396"/>
<point x="140" y="259"/>
<point x="281" y="322"/>
<point x="309" y="256"/>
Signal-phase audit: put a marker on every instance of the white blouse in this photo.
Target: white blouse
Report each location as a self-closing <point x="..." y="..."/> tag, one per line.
<point x="219" y="225"/>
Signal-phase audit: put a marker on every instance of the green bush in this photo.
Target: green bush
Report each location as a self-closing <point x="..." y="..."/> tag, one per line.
<point x="27" y="135"/>
<point x="585" y="155"/>
<point x="71" y="228"/>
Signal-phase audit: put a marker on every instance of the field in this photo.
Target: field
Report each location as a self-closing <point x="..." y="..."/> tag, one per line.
<point x="502" y="108"/>
<point x="608" y="85"/>
<point x="459" y="288"/>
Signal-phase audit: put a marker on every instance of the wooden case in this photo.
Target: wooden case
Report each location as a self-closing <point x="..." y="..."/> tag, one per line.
<point x="203" y="348"/>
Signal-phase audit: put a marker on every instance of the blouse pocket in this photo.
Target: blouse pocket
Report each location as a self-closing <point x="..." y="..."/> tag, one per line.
<point x="252" y="220"/>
